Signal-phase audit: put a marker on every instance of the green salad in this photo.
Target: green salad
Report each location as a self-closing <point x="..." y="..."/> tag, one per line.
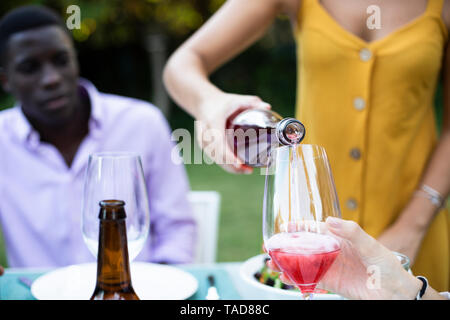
<point x="271" y="278"/>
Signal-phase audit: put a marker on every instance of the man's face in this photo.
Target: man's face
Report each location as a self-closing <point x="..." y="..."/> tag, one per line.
<point x="41" y="71"/>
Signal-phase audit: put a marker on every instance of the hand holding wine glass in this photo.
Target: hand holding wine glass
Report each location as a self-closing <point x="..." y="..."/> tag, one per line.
<point x="364" y="269"/>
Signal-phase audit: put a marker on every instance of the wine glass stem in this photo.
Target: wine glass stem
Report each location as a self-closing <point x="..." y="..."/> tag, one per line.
<point x="308" y="296"/>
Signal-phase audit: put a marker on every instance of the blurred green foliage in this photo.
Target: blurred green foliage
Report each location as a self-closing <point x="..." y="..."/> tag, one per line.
<point x="112" y="54"/>
<point x="116" y="22"/>
<point x="111" y="38"/>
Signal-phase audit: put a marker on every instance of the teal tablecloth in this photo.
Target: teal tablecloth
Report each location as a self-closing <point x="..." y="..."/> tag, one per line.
<point x="12" y="289"/>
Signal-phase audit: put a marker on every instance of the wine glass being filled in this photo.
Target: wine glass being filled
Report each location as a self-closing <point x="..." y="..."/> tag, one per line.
<point x="299" y="196"/>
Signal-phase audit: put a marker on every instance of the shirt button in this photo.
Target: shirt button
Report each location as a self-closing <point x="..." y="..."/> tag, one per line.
<point x="365" y="54"/>
<point x="359" y="103"/>
<point x="351" y="204"/>
<point x="355" y="153"/>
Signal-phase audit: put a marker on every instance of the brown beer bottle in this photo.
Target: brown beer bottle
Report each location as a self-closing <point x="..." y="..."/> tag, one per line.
<point x="113" y="267"/>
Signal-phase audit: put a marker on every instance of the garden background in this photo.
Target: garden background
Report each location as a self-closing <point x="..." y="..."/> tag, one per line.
<point x="122" y="48"/>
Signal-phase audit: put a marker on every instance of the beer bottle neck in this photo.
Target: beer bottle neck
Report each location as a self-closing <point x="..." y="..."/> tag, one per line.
<point x="113" y="268"/>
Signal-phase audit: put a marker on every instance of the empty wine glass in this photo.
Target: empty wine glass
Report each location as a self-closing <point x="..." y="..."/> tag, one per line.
<point x="299" y="195"/>
<point x="116" y="176"/>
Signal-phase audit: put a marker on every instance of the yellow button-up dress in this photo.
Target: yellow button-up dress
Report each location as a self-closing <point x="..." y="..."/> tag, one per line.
<point x="370" y="104"/>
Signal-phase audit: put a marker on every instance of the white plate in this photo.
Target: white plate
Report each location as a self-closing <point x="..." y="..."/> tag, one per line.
<point x="150" y="281"/>
<point x="251" y="289"/>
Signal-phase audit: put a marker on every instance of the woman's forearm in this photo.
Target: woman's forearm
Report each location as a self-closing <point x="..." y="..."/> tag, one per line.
<point x="420" y="212"/>
<point x="232" y="29"/>
<point x="431" y="294"/>
<point x="438" y="173"/>
<point x="410" y="286"/>
<point x="187" y="82"/>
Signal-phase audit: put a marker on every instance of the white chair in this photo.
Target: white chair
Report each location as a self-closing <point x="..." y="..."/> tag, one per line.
<point x="206" y="210"/>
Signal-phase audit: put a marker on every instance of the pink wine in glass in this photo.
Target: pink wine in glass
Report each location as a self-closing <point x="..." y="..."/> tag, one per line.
<point x="304" y="257"/>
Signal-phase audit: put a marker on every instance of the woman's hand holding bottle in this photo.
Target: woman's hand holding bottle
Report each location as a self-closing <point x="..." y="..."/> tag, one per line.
<point x="210" y="127"/>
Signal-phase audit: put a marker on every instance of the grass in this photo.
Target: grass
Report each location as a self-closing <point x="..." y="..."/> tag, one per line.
<point x="240" y="228"/>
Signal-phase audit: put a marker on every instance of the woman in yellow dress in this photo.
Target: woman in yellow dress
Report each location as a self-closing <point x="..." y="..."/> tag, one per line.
<point x="365" y="93"/>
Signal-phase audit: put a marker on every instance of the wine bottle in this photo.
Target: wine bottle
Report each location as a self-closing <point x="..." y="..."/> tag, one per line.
<point x="252" y="133"/>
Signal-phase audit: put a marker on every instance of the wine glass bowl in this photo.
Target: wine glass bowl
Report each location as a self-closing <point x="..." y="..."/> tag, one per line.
<point x="299" y="195"/>
<point x="116" y="176"/>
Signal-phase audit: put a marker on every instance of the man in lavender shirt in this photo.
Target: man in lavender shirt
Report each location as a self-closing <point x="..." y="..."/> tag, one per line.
<point x="45" y="142"/>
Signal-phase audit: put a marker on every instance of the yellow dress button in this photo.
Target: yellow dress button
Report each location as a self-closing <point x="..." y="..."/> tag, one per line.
<point x="351" y="204"/>
<point x="355" y="153"/>
<point x="365" y="54"/>
<point x="359" y="103"/>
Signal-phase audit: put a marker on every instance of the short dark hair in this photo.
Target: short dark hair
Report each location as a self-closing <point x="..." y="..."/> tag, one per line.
<point x="26" y="18"/>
